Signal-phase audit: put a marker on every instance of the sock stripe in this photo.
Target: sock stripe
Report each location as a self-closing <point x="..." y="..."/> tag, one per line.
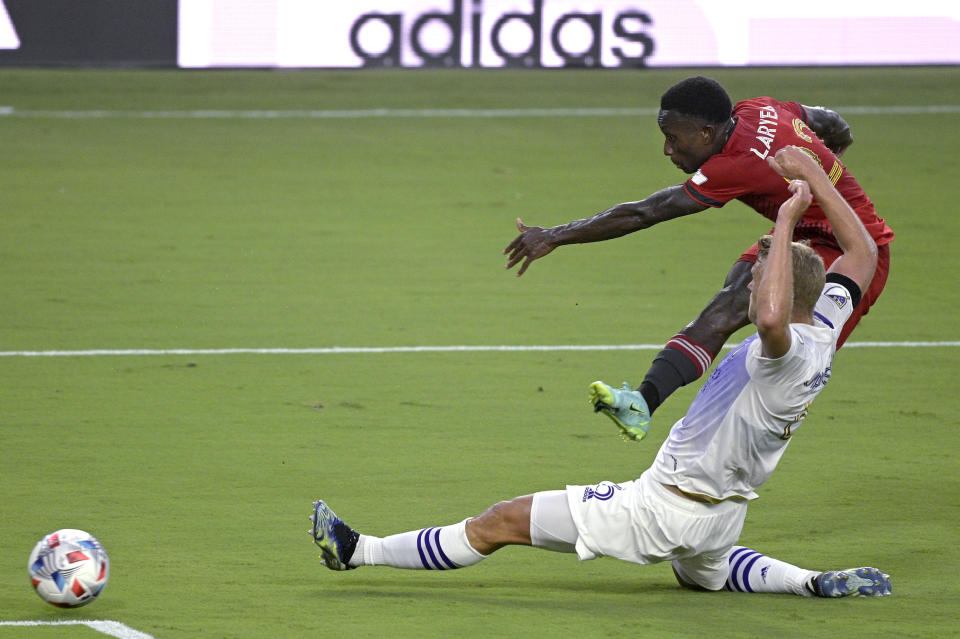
<point x="746" y="572"/>
<point x="745" y="554"/>
<point x="428" y="547"/>
<point x="701" y="357"/>
<point x="446" y="560"/>
<point x="423" y="557"/>
<point x="426" y="540"/>
<point x="732" y="583"/>
<point x="433" y="557"/>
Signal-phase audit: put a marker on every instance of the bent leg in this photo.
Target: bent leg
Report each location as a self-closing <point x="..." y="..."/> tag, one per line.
<point x="689" y="354"/>
<point x="727" y="311"/>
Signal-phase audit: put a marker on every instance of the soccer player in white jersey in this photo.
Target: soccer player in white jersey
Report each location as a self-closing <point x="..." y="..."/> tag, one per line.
<point x="689" y="506"/>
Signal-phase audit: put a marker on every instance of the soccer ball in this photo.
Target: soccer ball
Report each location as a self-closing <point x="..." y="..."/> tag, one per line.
<point x="68" y="568"/>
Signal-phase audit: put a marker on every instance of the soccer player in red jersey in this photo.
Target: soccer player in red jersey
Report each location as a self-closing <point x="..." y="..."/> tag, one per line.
<point x="690" y="505"/>
<point x="725" y="149"/>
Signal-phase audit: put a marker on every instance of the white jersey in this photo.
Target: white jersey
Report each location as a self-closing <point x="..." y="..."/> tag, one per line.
<point x="739" y="425"/>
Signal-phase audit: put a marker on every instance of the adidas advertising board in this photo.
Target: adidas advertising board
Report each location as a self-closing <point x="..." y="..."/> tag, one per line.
<point x="626" y="34"/>
<point x="562" y="33"/>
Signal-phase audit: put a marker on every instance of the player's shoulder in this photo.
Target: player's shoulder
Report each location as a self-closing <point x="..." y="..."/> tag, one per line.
<point x="836" y="299"/>
<point x="837" y="292"/>
<point x="835" y="305"/>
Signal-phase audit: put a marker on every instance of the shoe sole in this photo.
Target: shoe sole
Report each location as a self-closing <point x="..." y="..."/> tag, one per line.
<point x="859" y="582"/>
<point x="323" y="520"/>
<point x="627" y="432"/>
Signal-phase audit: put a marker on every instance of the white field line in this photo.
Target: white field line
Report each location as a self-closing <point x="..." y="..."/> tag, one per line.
<point x="327" y="114"/>
<point x="111" y="628"/>
<point x="348" y="350"/>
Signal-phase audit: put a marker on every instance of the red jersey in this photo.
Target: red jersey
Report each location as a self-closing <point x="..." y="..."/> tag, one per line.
<point x="740" y="170"/>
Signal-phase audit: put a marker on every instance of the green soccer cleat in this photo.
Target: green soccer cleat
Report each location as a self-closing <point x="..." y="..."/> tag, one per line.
<point x="853" y="582"/>
<point x="627" y="408"/>
<point x="336" y="540"/>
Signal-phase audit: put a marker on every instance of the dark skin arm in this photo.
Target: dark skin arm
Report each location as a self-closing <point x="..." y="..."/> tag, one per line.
<point x="830" y="127"/>
<point x="535" y="241"/>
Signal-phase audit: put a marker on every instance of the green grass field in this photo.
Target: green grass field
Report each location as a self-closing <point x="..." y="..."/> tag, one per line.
<point x="197" y="471"/>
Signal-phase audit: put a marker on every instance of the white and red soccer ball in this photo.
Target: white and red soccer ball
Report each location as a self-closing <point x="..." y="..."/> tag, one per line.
<point x="69" y="568"/>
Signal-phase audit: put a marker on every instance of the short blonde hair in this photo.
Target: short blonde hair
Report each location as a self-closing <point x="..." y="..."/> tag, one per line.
<point x="808" y="271"/>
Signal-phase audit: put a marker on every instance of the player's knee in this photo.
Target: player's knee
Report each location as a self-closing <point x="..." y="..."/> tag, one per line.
<point x="687" y="583"/>
<point x="507" y="522"/>
<point x="508" y="515"/>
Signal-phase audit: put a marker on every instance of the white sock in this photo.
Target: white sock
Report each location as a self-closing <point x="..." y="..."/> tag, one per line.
<point x="751" y="571"/>
<point x="443" y="548"/>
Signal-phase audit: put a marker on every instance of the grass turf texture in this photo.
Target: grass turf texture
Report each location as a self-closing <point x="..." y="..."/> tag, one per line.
<point x="197" y="472"/>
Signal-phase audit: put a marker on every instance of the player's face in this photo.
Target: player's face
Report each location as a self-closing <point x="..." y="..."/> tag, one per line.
<point x="687" y="142"/>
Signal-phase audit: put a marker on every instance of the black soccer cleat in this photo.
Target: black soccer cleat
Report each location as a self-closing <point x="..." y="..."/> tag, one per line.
<point x="336" y="540"/>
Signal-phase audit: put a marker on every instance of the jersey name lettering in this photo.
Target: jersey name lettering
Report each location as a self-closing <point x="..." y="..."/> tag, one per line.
<point x="766" y="129"/>
<point x="818" y="380"/>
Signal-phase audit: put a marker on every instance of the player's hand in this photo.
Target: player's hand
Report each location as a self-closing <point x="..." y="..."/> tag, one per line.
<point x="533" y="242"/>
<point x="794" y="163"/>
<point x="793" y="209"/>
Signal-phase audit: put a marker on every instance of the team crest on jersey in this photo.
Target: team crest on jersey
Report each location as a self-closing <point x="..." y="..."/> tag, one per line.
<point x="602" y="491"/>
<point x="838" y="295"/>
<point x="698" y="178"/>
<point x="800" y="128"/>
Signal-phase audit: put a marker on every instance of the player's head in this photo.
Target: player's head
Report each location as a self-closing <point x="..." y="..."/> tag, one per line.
<point x="698" y="97"/>
<point x="694" y="115"/>
<point x="808" y="275"/>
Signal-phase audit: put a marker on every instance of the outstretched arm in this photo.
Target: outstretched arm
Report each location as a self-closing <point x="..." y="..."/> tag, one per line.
<point x="830" y="127"/>
<point x="535" y="241"/>
<point x="859" y="259"/>
<point x="774" y="290"/>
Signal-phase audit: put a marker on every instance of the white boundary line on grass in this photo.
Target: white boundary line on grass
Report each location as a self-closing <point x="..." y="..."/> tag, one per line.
<point x="347" y="350"/>
<point x="107" y="627"/>
<point x="328" y="114"/>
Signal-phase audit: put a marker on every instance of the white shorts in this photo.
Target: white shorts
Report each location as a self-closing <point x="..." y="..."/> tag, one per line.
<point x="643" y="522"/>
